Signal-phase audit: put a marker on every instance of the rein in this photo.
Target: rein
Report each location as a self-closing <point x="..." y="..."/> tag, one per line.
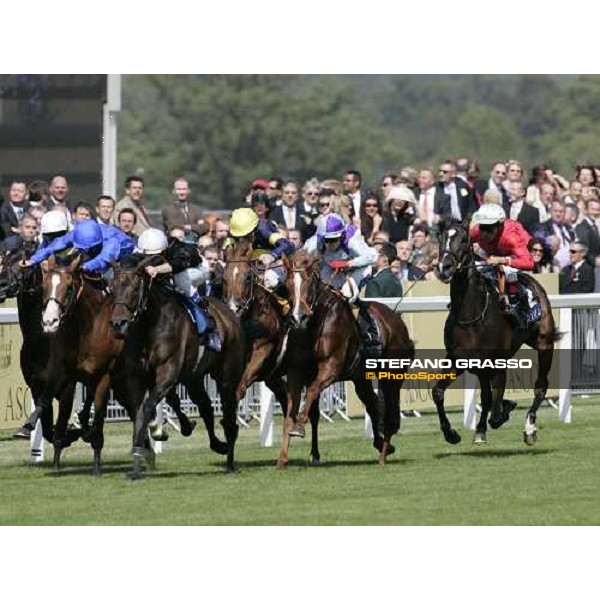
<point x="72" y="298"/>
<point x="142" y="299"/>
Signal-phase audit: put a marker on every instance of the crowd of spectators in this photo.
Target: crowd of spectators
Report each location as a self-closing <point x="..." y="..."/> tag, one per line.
<point x="399" y="217"/>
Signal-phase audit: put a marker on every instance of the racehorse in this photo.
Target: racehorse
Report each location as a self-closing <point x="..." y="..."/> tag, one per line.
<point x="76" y="316"/>
<point x="327" y="348"/>
<point x="25" y="285"/>
<point x="173" y="351"/>
<point x="261" y="318"/>
<point x="477" y="328"/>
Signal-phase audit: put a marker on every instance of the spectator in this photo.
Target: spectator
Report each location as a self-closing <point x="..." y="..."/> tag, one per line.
<point x="399" y="213"/>
<point x="514" y="173"/>
<point x="389" y="180"/>
<point x="180" y="212"/>
<point x="204" y="242"/>
<point x="38" y="194"/>
<point x="520" y="211"/>
<point x="575" y="192"/>
<point x="564" y="234"/>
<point x="491" y="196"/>
<point x="420" y="236"/>
<point x="134" y="191"/>
<point x="382" y="283"/>
<point x="105" y="206"/>
<point x="13" y="211"/>
<point x="178" y="233"/>
<point x="127" y="221"/>
<point x="260" y="205"/>
<point x="37" y="212"/>
<point x="408" y="178"/>
<point x="291" y="214"/>
<point x="342" y="205"/>
<point x="213" y="270"/>
<point x="454" y="199"/>
<point x="274" y="191"/>
<point x="351" y="186"/>
<point x="82" y="211"/>
<point x="541" y="255"/>
<point x="24" y="239"/>
<point x="58" y="191"/>
<point x="427" y="192"/>
<point x="496" y="182"/>
<point x="586" y="231"/>
<point x="578" y="277"/>
<point x="371" y="216"/>
<point x="571" y="215"/>
<point x="406" y="269"/>
<point x="310" y="196"/>
<point x="295" y="237"/>
<point x="221" y="232"/>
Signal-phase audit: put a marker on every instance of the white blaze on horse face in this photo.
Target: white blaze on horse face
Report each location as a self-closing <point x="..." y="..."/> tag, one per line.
<point x="232" y="304"/>
<point x="297" y="285"/>
<point x="51" y="316"/>
<point x="451" y="234"/>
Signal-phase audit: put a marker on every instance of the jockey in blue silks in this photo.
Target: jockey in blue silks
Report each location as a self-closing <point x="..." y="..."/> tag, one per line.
<point x="99" y="245"/>
<point x="342" y="250"/>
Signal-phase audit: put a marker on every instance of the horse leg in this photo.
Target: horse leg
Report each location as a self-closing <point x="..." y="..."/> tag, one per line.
<point x="545" y="356"/>
<point x="229" y="402"/>
<point x="480" y="436"/>
<point x="294" y="391"/>
<point x="166" y="378"/>
<point x="201" y="399"/>
<point x="97" y="430"/>
<point x="501" y="408"/>
<point x="186" y="425"/>
<point x="64" y="395"/>
<point x="315" y="415"/>
<point x="277" y="386"/>
<point x="439" y="389"/>
<point x="390" y="389"/>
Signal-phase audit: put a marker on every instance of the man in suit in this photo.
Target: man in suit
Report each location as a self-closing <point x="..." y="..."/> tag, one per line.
<point x="577" y="278"/>
<point x="13" y="211"/>
<point x="351" y="183"/>
<point x="134" y="190"/>
<point x="454" y="200"/>
<point x="587" y="231"/>
<point x="290" y="214"/>
<point x="180" y="212"/>
<point x="555" y="226"/>
<point x="24" y="239"/>
<point x="383" y="283"/>
<point x="57" y="194"/>
<point x="519" y="210"/>
<point x="406" y="270"/>
<point x="495" y="182"/>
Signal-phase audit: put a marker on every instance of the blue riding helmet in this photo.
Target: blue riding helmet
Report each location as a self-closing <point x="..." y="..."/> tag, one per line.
<point x="87" y="234"/>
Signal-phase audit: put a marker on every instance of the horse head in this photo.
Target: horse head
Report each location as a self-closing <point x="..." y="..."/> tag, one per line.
<point x="238" y="276"/>
<point x="454" y="249"/>
<point x="61" y="286"/>
<point x="129" y="288"/>
<point x="302" y="283"/>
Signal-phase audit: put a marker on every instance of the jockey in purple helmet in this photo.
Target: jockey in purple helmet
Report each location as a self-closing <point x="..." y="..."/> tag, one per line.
<point x="99" y="245"/>
<point x="342" y="248"/>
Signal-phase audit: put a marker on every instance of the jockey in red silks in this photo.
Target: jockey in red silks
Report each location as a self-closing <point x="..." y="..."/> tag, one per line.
<point x="503" y="242"/>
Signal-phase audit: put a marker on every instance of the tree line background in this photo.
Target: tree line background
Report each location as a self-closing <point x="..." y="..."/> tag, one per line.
<point x="222" y="131"/>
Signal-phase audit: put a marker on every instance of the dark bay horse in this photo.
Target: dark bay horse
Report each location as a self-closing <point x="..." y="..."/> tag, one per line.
<point x="262" y="320"/>
<point x="26" y="286"/>
<point x="327" y="348"/>
<point x="173" y="352"/>
<point x="477" y="328"/>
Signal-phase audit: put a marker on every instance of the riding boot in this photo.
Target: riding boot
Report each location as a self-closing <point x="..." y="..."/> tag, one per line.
<point x="373" y="347"/>
<point x="513" y="310"/>
<point x="205" y="323"/>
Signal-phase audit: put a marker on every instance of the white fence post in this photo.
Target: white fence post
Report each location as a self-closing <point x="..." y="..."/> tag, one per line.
<point x="37" y="441"/>
<point x="266" y="415"/>
<point x="564" y="394"/>
<point x="469" y="406"/>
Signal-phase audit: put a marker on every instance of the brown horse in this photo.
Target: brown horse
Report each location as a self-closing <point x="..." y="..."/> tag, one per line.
<point x="173" y="352"/>
<point x="261" y="318"/>
<point x="76" y="316"/>
<point x="327" y="348"/>
<point x="477" y="328"/>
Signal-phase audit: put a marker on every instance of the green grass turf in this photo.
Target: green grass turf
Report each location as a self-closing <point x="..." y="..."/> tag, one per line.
<point x="427" y="482"/>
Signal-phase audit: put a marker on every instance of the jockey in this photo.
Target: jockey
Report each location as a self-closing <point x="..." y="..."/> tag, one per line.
<point x="268" y="247"/>
<point x="342" y="248"/>
<point x="184" y="262"/>
<point x="99" y="245"/>
<point x="503" y="242"/>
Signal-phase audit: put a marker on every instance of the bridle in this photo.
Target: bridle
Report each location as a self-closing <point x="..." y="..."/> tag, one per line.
<point x="250" y="279"/>
<point x="73" y="294"/>
<point x="313" y="279"/>
<point x="142" y="296"/>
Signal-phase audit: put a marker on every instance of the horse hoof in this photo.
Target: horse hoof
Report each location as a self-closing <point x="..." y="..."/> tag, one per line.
<point x="186" y="430"/>
<point x="507" y="407"/>
<point x="231" y="469"/>
<point x="219" y="447"/>
<point x="315" y="462"/>
<point x="281" y="464"/>
<point x="480" y="438"/>
<point x="161" y="436"/>
<point x="452" y="436"/>
<point x="297" y="431"/>
<point x="530" y="438"/>
<point x="378" y="445"/>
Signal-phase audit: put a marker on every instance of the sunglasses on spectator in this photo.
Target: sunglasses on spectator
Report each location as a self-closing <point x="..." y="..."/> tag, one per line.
<point x="312" y="193"/>
<point x="444" y="171"/>
<point x="537" y="250"/>
<point x="574" y="251"/>
<point x="323" y="204"/>
<point x="273" y="188"/>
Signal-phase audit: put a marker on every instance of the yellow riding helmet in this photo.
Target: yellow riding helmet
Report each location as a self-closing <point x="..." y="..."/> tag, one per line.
<point x="243" y="221"/>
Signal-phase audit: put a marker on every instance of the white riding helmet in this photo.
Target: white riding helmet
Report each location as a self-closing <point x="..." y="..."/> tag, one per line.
<point x="152" y="241"/>
<point x="489" y="214"/>
<point x="54" y="221"/>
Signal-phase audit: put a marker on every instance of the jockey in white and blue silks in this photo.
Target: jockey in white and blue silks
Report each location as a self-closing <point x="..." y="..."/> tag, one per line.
<point x="99" y="245"/>
<point x="342" y="250"/>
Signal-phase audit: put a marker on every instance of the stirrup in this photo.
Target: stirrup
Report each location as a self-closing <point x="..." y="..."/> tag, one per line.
<point x="212" y="341"/>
